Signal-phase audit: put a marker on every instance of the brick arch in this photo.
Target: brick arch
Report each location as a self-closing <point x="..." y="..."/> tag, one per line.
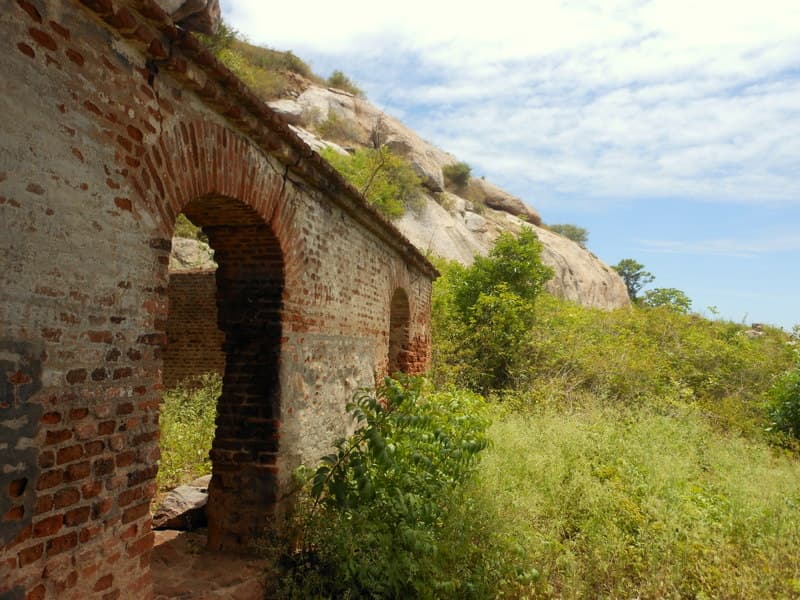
<point x="220" y="182"/>
<point x="202" y="159"/>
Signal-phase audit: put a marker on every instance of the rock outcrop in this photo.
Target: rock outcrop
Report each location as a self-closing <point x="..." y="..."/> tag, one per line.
<point x="454" y="230"/>
<point x="202" y="16"/>
<point x="453" y="223"/>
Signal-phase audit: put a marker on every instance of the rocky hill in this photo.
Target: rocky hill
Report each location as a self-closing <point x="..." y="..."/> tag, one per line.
<point x="455" y="222"/>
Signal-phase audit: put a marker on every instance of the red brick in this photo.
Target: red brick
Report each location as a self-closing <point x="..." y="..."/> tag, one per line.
<point x="30" y="554"/>
<point x="62" y="543"/>
<point x="77" y="516"/>
<point x="107" y="427"/>
<point x="69" y="454"/>
<point x="91" y="489"/>
<point x="135" y="512"/>
<point x="56" y="437"/>
<point x="44" y="504"/>
<point x="75" y="56"/>
<point x="143" y="544"/>
<point x="76" y="376"/>
<point x="17" y="487"/>
<point x="48" y="526"/>
<point x="129" y="496"/>
<point x="31" y="10"/>
<point x="76" y="414"/>
<point x="125" y="459"/>
<point x="77" y="471"/>
<point x="43" y="39"/>
<point x="26" y="50"/>
<point x="105" y="582"/>
<point x="66" y="497"/>
<point x="37" y="593"/>
<point x="103" y="466"/>
<point x="94" y="448"/>
<point x="15" y="513"/>
<point x="50" y="418"/>
<point x="50" y="479"/>
<point x="47" y="459"/>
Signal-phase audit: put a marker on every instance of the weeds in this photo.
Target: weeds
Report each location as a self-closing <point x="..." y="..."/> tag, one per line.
<point x="187" y="429"/>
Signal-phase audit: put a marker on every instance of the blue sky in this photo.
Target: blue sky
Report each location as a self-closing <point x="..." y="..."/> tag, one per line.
<point x="670" y="129"/>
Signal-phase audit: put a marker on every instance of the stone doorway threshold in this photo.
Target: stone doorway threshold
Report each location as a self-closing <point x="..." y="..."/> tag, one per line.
<point x="183" y="569"/>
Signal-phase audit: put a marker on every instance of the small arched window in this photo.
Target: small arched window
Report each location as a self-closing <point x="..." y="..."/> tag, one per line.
<point x="399" y="316"/>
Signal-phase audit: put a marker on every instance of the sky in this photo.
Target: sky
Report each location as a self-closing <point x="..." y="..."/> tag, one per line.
<point x="669" y="129"/>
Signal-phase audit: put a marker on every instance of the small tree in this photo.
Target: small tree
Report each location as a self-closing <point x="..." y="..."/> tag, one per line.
<point x="484" y="313"/>
<point x="669" y="297"/>
<point x="457" y="173"/>
<point x="579" y="235"/>
<point x="634" y="276"/>
<point x="386" y="180"/>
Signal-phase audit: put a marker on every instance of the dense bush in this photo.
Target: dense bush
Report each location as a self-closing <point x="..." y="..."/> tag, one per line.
<point x="784" y="403"/>
<point x="187" y="429"/>
<point x="371" y="527"/>
<point x="386" y="180"/>
<point x="483" y="314"/>
<point x="457" y="174"/>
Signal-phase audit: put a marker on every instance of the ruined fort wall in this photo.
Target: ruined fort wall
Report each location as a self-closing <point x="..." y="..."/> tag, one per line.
<point x="101" y="149"/>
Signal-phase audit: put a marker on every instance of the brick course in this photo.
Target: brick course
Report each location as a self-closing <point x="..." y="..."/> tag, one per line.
<point x="114" y="122"/>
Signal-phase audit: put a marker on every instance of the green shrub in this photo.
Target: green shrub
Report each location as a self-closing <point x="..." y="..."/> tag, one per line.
<point x="338" y="129"/>
<point x="579" y="235"/>
<point x="372" y="524"/>
<point x="669" y="297"/>
<point x="187" y="425"/>
<point x="386" y="180"/>
<point x="457" y="174"/>
<point x="784" y="406"/>
<point x="341" y="81"/>
<point x="483" y="314"/>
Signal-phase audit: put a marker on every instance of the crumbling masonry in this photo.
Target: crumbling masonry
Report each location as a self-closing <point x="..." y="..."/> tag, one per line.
<point x="112" y="123"/>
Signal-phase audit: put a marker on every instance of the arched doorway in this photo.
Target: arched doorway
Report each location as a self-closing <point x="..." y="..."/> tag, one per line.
<point x="249" y="282"/>
<point x="399" y="315"/>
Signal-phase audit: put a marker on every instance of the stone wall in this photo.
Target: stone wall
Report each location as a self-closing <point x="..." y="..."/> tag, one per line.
<point x="114" y="122"/>
<point x="194" y="341"/>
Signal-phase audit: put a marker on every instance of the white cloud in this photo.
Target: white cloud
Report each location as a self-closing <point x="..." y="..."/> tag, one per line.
<point x="737" y="248"/>
<point x="624" y="99"/>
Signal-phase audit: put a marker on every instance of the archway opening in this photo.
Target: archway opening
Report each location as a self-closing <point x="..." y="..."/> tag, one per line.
<point x="399" y="316"/>
<point x="241" y="339"/>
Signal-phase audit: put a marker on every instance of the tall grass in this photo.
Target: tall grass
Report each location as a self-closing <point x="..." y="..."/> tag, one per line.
<point x="632" y="503"/>
<point x="187" y="429"/>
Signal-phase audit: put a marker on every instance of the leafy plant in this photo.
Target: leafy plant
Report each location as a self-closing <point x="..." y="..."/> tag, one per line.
<point x="457" y="174"/>
<point x="784" y="398"/>
<point x="579" y="235"/>
<point x="386" y="180"/>
<point x="371" y="527"/>
<point x="483" y="314"/>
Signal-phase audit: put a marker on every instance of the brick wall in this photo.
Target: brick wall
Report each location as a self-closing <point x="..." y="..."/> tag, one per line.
<point x="113" y="122"/>
<point x="194" y="341"/>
